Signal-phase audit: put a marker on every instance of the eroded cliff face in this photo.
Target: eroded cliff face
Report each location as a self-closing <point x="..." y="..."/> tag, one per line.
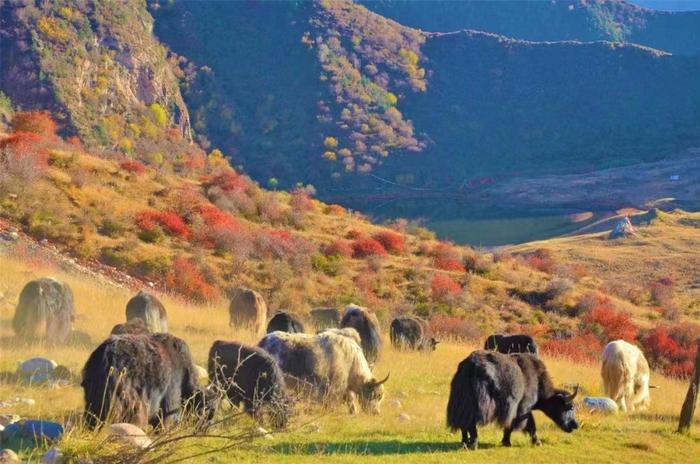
<point x="99" y="63"/>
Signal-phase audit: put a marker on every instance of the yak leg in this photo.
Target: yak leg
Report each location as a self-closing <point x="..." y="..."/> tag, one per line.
<point x="470" y="437"/>
<point x="352" y="403"/>
<point x="531" y="429"/>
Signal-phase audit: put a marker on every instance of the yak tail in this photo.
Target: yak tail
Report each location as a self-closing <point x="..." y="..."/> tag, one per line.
<point x="615" y="378"/>
<point x="470" y="402"/>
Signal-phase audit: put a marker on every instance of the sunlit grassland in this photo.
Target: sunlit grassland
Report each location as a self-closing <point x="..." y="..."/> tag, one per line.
<point x="420" y="383"/>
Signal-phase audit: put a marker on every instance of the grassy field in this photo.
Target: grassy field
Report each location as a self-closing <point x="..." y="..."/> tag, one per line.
<point x="412" y="431"/>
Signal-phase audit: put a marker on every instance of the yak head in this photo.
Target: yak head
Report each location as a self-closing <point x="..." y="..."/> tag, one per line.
<point x="371" y="395"/>
<point x="205" y="404"/>
<point x="560" y="408"/>
<point x="429" y="344"/>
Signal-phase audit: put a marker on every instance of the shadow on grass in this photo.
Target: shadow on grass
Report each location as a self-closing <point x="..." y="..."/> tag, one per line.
<point x="376" y="448"/>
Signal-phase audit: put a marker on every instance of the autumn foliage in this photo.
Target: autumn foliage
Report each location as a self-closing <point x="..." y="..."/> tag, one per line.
<point x="393" y="242"/>
<point x="610" y="324"/>
<point x="443" y="287"/>
<point x="340" y="247"/>
<point x="585" y="347"/>
<point x="449" y="264"/>
<point x="364" y="247"/>
<point x="170" y="222"/>
<point x="36" y="122"/>
<point x="185" y="279"/>
<point x="133" y="166"/>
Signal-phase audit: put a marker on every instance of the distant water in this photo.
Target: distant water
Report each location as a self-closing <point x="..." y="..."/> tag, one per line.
<point x="503" y="230"/>
<point x="669" y="5"/>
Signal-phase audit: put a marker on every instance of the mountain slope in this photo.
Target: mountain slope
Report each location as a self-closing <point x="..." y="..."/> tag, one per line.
<point x="611" y="20"/>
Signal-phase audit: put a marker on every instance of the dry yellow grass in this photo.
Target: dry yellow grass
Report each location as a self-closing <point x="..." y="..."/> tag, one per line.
<point x="419" y="382"/>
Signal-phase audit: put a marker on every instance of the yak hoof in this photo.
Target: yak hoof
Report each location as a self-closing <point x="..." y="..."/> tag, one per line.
<point x="536" y="442"/>
<point x="506" y="443"/>
<point x="472" y="446"/>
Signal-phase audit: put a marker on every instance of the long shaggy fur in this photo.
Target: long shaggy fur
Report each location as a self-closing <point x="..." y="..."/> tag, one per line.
<point x="45" y="310"/>
<point x="625" y="373"/>
<point x="367" y="326"/>
<point x="141" y="379"/>
<point x="248" y="309"/>
<point x="285" y="322"/>
<point x="251" y="378"/>
<point x="325" y="318"/>
<point x="150" y="310"/>
<point x="507" y="344"/>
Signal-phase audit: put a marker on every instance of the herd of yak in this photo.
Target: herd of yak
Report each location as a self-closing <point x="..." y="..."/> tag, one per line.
<point x="143" y="375"/>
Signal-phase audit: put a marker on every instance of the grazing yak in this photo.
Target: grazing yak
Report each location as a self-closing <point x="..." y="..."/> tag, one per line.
<point x="346" y="332"/>
<point x="495" y="387"/>
<point x="328" y="366"/>
<point x="507" y="344"/>
<point x="366" y="324"/>
<point x="251" y="378"/>
<point x="247" y="309"/>
<point x="625" y="375"/>
<point x="133" y="326"/>
<point x="411" y="332"/>
<point x="150" y="310"/>
<point x="325" y="318"/>
<point x="285" y="322"/>
<point x="45" y="311"/>
<point x="142" y="379"/>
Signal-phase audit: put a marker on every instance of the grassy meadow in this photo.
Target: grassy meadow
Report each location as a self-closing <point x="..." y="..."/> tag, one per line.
<point x="411" y="429"/>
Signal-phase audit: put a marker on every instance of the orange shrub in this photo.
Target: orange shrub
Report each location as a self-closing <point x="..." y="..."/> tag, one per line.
<point x="301" y="201"/>
<point x="228" y="181"/>
<point x="584" y="347"/>
<point x="334" y="210"/>
<point x="219" y="227"/>
<point x="449" y="264"/>
<point x="392" y="242"/>
<point x="541" y="259"/>
<point x="25" y="148"/>
<point x="36" y="122"/>
<point x="363" y="247"/>
<point x="443" y="287"/>
<point x="184" y="278"/>
<point x="133" y="166"/>
<point x="609" y="324"/>
<point x="453" y="327"/>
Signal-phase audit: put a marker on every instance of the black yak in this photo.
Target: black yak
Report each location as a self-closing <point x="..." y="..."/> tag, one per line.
<point x="325" y="318"/>
<point x="494" y="387"/>
<point x="411" y="332"/>
<point x="247" y="309"/>
<point x="150" y="310"/>
<point x="251" y="378"/>
<point x="329" y="366"/>
<point x="285" y="322"/>
<point x="142" y="379"/>
<point x="367" y="326"/>
<point x="45" y="311"/>
<point x="507" y="344"/>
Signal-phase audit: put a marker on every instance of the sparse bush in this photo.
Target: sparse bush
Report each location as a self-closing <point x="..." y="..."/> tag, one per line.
<point x="541" y="260"/>
<point x="170" y="222"/>
<point x="609" y="324"/>
<point x="36" y="122"/>
<point x="454" y="328"/>
<point x="133" y="166"/>
<point x="449" y="264"/>
<point x="662" y="291"/>
<point x="585" y="347"/>
<point x="334" y="210"/>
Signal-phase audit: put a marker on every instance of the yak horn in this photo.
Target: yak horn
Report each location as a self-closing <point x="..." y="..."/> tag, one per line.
<point x="573" y="395"/>
<point x="653" y="386"/>
<point x="382" y="381"/>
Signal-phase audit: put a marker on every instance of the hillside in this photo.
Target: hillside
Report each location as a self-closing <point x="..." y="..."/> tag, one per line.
<point x="677" y="32"/>
<point x="409" y="429"/>
<point x="480" y="108"/>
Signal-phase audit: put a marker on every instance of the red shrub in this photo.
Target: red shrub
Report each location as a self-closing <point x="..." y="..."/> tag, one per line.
<point x="339" y="247"/>
<point x="584" y="347"/>
<point x="672" y="349"/>
<point x="662" y="291"/>
<point x="133" y="166"/>
<point x="37" y="122"/>
<point x="184" y="278"/>
<point x="449" y="264"/>
<point x="219" y="227"/>
<point x="25" y="146"/>
<point x="354" y="234"/>
<point x="170" y="222"/>
<point x="363" y="247"/>
<point x="443" y="287"/>
<point x="228" y="181"/>
<point x="392" y="242"/>
<point x="610" y="325"/>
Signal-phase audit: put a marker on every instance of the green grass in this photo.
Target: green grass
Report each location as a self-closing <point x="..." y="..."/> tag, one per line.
<point x="420" y="382"/>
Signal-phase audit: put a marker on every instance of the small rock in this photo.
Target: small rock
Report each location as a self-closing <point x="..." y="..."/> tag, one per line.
<point x="38" y="430"/>
<point x="53" y="456"/>
<point x="130" y="434"/>
<point x="264" y="433"/>
<point x="7" y="456"/>
<point x="202" y="374"/>
<point x="403" y="417"/>
<point x="395" y="403"/>
<point x="7" y="419"/>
